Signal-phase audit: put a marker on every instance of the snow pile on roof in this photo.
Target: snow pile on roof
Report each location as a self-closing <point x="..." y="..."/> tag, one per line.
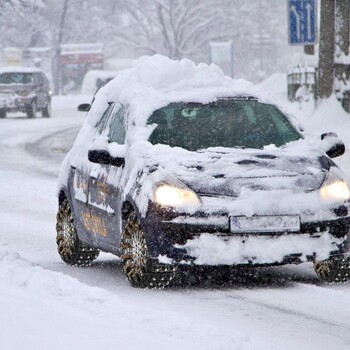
<point x="155" y="81"/>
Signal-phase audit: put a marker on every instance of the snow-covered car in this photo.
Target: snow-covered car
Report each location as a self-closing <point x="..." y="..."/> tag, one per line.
<point x="177" y="164"/>
<point x="24" y="89"/>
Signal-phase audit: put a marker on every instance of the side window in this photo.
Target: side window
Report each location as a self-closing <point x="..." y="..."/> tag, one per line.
<point x="117" y="126"/>
<point x="101" y="124"/>
<point x="44" y="79"/>
<point x="37" y="79"/>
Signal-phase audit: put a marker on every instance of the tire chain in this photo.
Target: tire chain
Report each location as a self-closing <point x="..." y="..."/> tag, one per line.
<point x="71" y="250"/>
<point x="333" y="271"/>
<point x="149" y="275"/>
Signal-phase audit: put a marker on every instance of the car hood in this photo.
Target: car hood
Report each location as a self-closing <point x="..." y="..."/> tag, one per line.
<point x="229" y="173"/>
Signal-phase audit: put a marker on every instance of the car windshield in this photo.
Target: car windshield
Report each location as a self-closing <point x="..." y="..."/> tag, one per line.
<point x="16" y="78"/>
<point x="224" y="123"/>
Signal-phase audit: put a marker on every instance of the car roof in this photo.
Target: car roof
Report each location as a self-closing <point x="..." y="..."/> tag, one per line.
<point x="20" y="69"/>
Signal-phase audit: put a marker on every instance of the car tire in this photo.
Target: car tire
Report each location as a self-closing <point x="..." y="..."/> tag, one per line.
<point x="31" y="110"/>
<point x="336" y="270"/>
<point x="2" y="113"/>
<point x="140" y="270"/>
<point x="46" y="112"/>
<point x="71" y="250"/>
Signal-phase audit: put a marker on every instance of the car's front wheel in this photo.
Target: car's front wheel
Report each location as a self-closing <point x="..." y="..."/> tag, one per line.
<point x="336" y="270"/>
<point x="2" y="113"/>
<point x="141" y="271"/>
<point x="31" y="110"/>
<point x="70" y="248"/>
<point x="46" y="112"/>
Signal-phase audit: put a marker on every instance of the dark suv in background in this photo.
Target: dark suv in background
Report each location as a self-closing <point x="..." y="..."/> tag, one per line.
<point x="24" y="90"/>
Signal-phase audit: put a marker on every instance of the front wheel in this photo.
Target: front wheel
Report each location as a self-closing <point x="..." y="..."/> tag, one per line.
<point x="141" y="271"/>
<point x="46" y="113"/>
<point x="31" y="110"/>
<point x="70" y="248"/>
<point x="336" y="270"/>
<point x="2" y="113"/>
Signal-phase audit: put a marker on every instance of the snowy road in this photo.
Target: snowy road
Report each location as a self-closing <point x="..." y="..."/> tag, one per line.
<point x="45" y="304"/>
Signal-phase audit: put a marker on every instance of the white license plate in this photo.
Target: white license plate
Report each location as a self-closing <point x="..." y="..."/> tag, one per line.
<point x="280" y="223"/>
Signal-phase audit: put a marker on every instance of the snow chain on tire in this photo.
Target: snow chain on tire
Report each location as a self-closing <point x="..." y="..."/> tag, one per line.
<point x="334" y="270"/>
<point x="141" y="271"/>
<point x="70" y="248"/>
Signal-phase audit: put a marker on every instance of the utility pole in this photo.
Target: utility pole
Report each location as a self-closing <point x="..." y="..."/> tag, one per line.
<point x="341" y="57"/>
<point x="56" y="62"/>
<point x="327" y="49"/>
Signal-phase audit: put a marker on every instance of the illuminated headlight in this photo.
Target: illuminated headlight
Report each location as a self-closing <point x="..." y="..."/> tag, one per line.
<point x="335" y="188"/>
<point x="337" y="191"/>
<point x="167" y="195"/>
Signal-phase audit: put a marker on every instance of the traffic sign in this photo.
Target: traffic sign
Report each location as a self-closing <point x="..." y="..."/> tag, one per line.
<point x="302" y="22"/>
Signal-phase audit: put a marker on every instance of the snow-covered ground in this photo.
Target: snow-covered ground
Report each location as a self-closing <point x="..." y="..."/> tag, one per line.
<point x="45" y="304"/>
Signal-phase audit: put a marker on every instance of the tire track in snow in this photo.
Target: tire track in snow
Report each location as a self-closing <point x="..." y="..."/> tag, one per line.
<point x="290" y="312"/>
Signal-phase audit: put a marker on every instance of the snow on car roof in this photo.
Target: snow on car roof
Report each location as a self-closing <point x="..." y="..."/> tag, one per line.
<point x="19" y="69"/>
<point x="155" y="81"/>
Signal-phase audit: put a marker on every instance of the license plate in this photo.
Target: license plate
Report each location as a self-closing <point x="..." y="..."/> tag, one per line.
<point x="280" y="223"/>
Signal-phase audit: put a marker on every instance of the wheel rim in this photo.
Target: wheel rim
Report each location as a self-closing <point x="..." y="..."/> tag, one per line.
<point x="134" y="249"/>
<point x="66" y="233"/>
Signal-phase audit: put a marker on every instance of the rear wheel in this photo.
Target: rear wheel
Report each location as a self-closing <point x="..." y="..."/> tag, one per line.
<point x="141" y="271"/>
<point x="335" y="270"/>
<point x="2" y="113"/>
<point x="70" y="248"/>
<point x="31" y="110"/>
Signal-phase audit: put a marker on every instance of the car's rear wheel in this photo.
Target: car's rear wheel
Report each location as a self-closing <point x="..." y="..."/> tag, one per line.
<point x="70" y="248"/>
<point x="141" y="271"/>
<point x="31" y="110"/>
<point x="46" y="112"/>
<point x="335" y="270"/>
<point x="2" y="113"/>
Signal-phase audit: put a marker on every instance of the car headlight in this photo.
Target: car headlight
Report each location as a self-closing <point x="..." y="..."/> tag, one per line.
<point x="173" y="196"/>
<point x="335" y="188"/>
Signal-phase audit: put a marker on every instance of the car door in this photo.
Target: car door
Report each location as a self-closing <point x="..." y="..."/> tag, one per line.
<point x="104" y="190"/>
<point x="80" y="175"/>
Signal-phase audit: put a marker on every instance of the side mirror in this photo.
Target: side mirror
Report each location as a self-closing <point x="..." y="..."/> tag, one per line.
<point x="103" y="157"/>
<point x="333" y="145"/>
<point x="84" y="107"/>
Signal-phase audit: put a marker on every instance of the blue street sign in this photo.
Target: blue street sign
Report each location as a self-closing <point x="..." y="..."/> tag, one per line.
<point x="302" y="22"/>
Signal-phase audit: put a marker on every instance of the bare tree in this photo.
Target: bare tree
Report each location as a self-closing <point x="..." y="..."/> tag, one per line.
<point x="175" y="28"/>
<point x="22" y="21"/>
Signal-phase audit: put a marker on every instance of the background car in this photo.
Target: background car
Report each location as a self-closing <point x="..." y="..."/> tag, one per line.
<point x="185" y="172"/>
<point x="95" y="79"/>
<point x="24" y="90"/>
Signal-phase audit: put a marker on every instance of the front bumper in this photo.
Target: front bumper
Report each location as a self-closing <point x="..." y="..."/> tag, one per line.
<point x="206" y="239"/>
<point x="14" y="103"/>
